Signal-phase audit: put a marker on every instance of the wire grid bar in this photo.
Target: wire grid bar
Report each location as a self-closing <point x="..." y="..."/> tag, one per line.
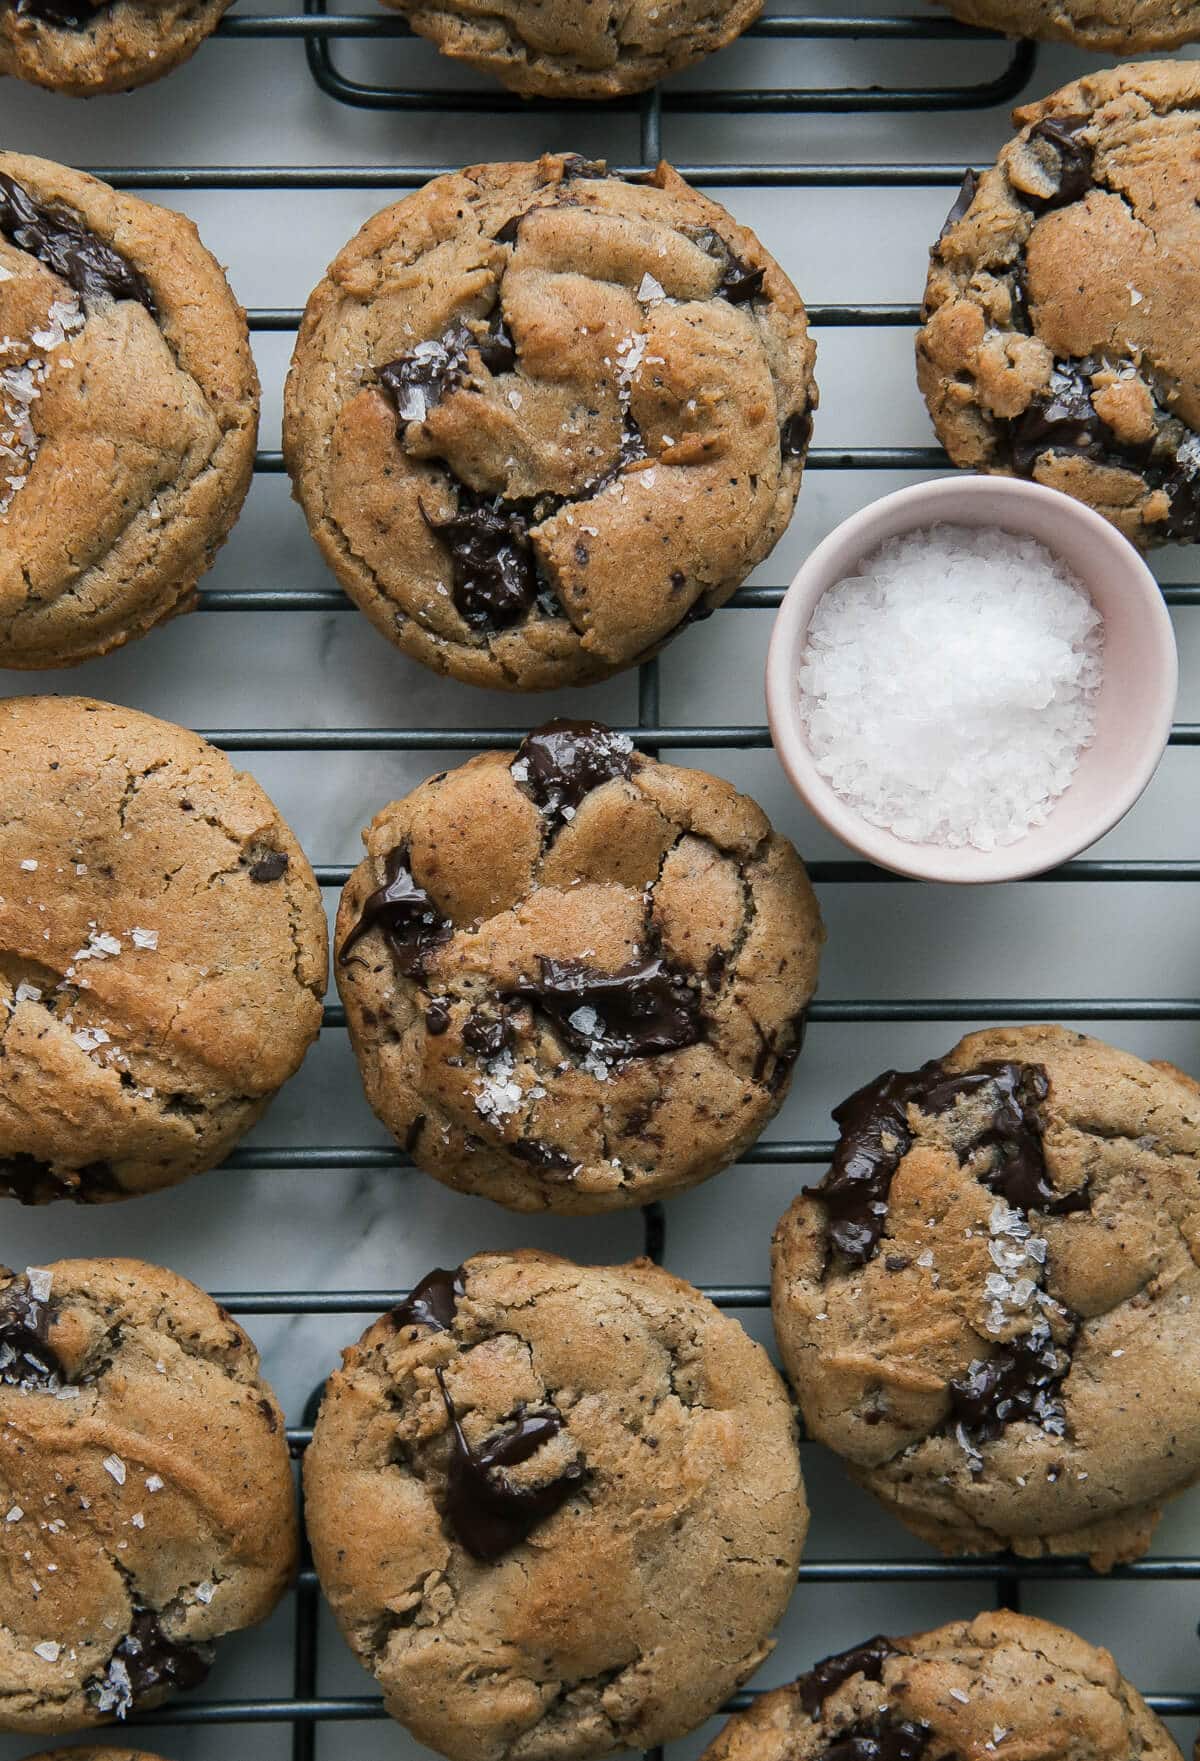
<point x="306" y="1709"/>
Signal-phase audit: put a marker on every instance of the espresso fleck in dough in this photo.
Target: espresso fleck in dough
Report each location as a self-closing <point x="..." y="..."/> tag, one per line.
<point x="128" y="413"/>
<point x="663" y="1475"/>
<point x="1059" y="340"/>
<point x="584" y="971"/>
<point x="539" y="418"/>
<point x="567" y="50"/>
<point x="154" y="991"/>
<point x="973" y="1688"/>
<point x="146" y="1492"/>
<point x="1029" y="1375"/>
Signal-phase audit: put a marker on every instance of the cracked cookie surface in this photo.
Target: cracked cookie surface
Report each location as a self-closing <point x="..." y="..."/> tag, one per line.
<point x="579" y="48"/>
<point x="683" y="1493"/>
<point x="146" y="1486"/>
<point x="84" y="47"/>
<point x="539" y="418"/>
<point x="128" y="414"/>
<point x="575" y="978"/>
<point x="988" y="1306"/>
<point x="1000" y="1684"/>
<point x="1058" y="339"/>
<point x="162" y="951"/>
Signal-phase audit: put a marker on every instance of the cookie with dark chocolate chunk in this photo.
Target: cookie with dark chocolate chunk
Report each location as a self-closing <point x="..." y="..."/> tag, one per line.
<point x="162" y="952"/>
<point x="970" y="1688"/>
<point x="146" y="1486"/>
<point x="540" y="418"/>
<point x="1117" y="27"/>
<point x="987" y="1304"/>
<point x="1059" y="340"/>
<point x="575" y="978"/>
<point x="85" y="47"/>
<point x="561" y="49"/>
<point x="517" y="1481"/>
<point x="128" y="413"/>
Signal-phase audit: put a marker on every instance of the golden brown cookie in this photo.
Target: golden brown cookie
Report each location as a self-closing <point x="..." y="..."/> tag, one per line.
<point x="1059" y="340"/>
<point x="83" y="47"/>
<point x="579" y="48"/>
<point x="146" y="1488"/>
<point x="557" y="1509"/>
<point x="1118" y="27"/>
<point x="540" y="417"/>
<point x="988" y="1306"/>
<point x="575" y="978"/>
<point x="162" y="951"/>
<point x="128" y="413"/>
<point x="999" y="1684"/>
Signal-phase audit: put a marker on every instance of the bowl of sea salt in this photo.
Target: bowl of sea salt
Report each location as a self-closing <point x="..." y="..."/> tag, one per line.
<point x="972" y="680"/>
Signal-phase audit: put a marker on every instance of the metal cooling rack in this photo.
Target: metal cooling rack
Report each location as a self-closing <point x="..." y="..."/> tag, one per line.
<point x="320" y="31"/>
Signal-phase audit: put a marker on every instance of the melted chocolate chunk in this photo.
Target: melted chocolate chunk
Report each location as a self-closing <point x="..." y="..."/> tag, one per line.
<point x="27" y="1360"/>
<point x="492" y="564"/>
<point x="875" y="1136"/>
<point x="65" y="245"/>
<point x="881" y="1738"/>
<point x="487" y="1034"/>
<point x="545" y="1156"/>
<point x="147" y="1662"/>
<point x="740" y="282"/>
<point x="562" y="761"/>
<point x="962" y="201"/>
<point x="67" y="15"/>
<point x="868" y="1659"/>
<point x="1074" y="162"/>
<point x="1020" y="1381"/>
<point x="271" y="867"/>
<point x="487" y="1512"/>
<point x="418" y="380"/>
<point x="433" y="1302"/>
<point x="33" y="1182"/>
<point x="437" y="1016"/>
<point x="646" y="1007"/>
<point x="795" y="434"/>
<point x="1064" y="421"/>
<point x="575" y="165"/>
<point x="411" y="923"/>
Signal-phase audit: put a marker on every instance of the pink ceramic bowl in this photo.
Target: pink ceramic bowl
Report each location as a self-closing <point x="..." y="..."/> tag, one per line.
<point x="1137" y="697"/>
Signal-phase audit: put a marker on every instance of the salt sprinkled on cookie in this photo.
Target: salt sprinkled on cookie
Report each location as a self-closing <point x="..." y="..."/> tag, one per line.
<point x="949" y="687"/>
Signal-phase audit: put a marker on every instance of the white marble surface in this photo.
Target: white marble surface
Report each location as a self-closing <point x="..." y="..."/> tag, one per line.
<point x="250" y="101"/>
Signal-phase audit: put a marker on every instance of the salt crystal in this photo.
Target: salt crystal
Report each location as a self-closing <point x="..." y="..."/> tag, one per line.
<point x="948" y="688"/>
<point x="957" y="1694"/>
<point x="15" y="1514"/>
<point x="144" y="938"/>
<point x="205" y="1592"/>
<point x="112" y="1464"/>
<point x="27" y="993"/>
<point x="40" y="1282"/>
<point x="47" y="1650"/>
<point x="650" y="291"/>
<point x="29" y="864"/>
<point x="154" y="1483"/>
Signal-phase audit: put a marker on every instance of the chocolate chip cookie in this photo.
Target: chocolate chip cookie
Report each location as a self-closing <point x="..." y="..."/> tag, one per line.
<point x="1001" y="1683"/>
<point x="1059" y="340"/>
<point x="575" y="978"/>
<point x="568" y="50"/>
<point x="84" y="47"/>
<point x="146" y="1488"/>
<point x="105" y="1754"/>
<point x="521" y="1477"/>
<point x="128" y="413"/>
<point x="1119" y="27"/>
<point x="988" y="1305"/>
<point x="540" y="418"/>
<point x="162" y="952"/>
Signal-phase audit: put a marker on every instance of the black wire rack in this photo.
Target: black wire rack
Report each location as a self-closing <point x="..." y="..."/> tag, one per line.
<point x="305" y="1710"/>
